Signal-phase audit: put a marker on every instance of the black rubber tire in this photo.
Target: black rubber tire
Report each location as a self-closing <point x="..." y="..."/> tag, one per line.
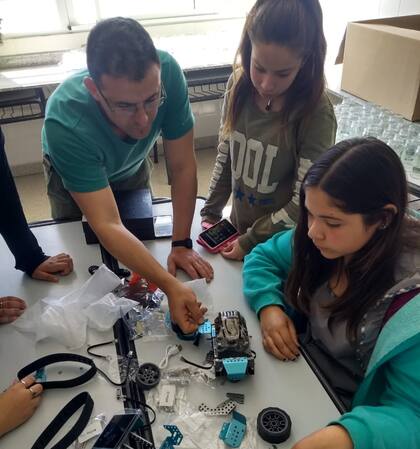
<point x="148" y="375"/>
<point x="274" y="425"/>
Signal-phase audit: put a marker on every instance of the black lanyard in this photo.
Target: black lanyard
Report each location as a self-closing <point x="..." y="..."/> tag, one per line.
<point x="60" y="357"/>
<point x="81" y="400"/>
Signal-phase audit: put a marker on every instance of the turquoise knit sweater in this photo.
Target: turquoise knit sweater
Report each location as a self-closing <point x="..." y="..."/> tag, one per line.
<point x="385" y="412"/>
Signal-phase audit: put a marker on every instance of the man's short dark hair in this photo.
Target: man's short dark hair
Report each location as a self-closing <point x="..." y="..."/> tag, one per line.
<point x="120" y="47"/>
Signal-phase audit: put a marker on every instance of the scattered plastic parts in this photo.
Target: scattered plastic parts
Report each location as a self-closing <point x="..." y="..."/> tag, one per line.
<point x="41" y="375"/>
<point x="207" y="328"/>
<point x="167" y="398"/>
<point x="235" y="367"/>
<point x="223" y="409"/>
<point x="274" y="425"/>
<point x="232" y="354"/>
<point x="179" y="332"/>
<point x="233" y="432"/>
<point x="170" y="351"/>
<point x="122" y="272"/>
<point x="237" y="397"/>
<point x="145" y="444"/>
<point x="148" y="375"/>
<point x="174" y="439"/>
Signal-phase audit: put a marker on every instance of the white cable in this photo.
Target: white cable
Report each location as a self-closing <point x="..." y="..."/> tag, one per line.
<point x="170" y="351"/>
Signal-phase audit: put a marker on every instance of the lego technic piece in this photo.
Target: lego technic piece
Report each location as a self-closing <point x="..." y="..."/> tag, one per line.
<point x="40" y="375"/>
<point x="273" y="425"/>
<point x="232" y="355"/>
<point x="179" y="333"/>
<point x="174" y="439"/>
<point x="223" y="409"/>
<point x="167" y="398"/>
<point x="237" y="397"/>
<point x="145" y="444"/>
<point x="148" y="375"/>
<point x="233" y="432"/>
<point x="207" y="328"/>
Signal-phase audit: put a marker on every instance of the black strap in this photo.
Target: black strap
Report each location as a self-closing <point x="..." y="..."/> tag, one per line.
<point x="83" y="399"/>
<point x="60" y="357"/>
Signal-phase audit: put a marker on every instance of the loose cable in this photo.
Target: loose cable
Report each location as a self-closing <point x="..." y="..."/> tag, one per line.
<point x="170" y="351"/>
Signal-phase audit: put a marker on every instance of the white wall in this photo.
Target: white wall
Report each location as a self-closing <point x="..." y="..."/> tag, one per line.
<point x="23" y="146"/>
<point x="337" y="13"/>
<point x="399" y="7"/>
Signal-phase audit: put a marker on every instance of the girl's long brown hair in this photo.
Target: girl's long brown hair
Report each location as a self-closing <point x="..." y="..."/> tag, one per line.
<point x="361" y="176"/>
<point x="295" y="24"/>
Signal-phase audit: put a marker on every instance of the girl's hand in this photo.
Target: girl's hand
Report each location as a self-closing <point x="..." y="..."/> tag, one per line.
<point x="61" y="264"/>
<point x="205" y="224"/>
<point x="233" y="251"/>
<point x="331" y="437"/>
<point x="11" y="308"/>
<point x="279" y="333"/>
<point x="18" y="403"/>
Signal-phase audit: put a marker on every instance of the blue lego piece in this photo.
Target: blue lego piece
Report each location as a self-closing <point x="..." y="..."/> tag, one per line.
<point x="171" y="325"/>
<point x="41" y="375"/>
<point x="233" y="432"/>
<point x="235" y="367"/>
<point x="174" y="439"/>
<point x="207" y="328"/>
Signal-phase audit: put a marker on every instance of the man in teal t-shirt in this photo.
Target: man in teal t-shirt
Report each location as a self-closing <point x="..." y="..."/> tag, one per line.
<point x="100" y="125"/>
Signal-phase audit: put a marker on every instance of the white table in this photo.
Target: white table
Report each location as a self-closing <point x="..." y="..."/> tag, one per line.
<point x="17" y="349"/>
<point x="291" y="386"/>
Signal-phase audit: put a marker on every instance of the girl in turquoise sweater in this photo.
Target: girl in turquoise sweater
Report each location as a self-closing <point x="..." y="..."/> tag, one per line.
<point x="351" y="269"/>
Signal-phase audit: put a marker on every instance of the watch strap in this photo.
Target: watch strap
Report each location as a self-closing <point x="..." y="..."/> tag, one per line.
<point x="186" y="243"/>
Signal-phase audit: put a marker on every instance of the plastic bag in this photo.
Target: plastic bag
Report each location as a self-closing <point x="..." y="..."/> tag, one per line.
<point x="66" y="319"/>
<point x="102" y="314"/>
<point x="153" y="322"/>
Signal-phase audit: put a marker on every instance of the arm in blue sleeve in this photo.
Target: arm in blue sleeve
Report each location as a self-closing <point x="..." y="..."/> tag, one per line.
<point x="13" y="226"/>
<point x="394" y="419"/>
<point x="265" y="271"/>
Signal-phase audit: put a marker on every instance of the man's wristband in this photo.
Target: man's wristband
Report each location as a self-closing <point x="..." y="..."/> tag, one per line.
<point x="186" y="243"/>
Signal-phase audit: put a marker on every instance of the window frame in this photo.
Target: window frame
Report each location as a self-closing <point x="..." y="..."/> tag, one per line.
<point x="68" y="19"/>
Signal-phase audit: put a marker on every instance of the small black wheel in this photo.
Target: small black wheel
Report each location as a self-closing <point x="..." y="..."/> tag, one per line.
<point x="273" y="425"/>
<point x="148" y="375"/>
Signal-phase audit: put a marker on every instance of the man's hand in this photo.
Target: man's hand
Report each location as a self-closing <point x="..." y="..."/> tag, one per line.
<point x="279" y="334"/>
<point x="331" y="437"/>
<point x="191" y="262"/>
<point x="62" y="264"/>
<point x="233" y="251"/>
<point x="11" y="308"/>
<point x="185" y="309"/>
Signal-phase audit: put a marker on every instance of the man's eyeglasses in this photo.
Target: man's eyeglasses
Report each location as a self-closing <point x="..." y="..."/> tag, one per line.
<point x="129" y="109"/>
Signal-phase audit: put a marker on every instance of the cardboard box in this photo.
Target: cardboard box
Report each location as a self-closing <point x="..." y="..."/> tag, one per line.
<point x="382" y="63"/>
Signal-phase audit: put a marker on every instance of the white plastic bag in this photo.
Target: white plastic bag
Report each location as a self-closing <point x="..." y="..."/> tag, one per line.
<point x="104" y="313"/>
<point x="66" y="319"/>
